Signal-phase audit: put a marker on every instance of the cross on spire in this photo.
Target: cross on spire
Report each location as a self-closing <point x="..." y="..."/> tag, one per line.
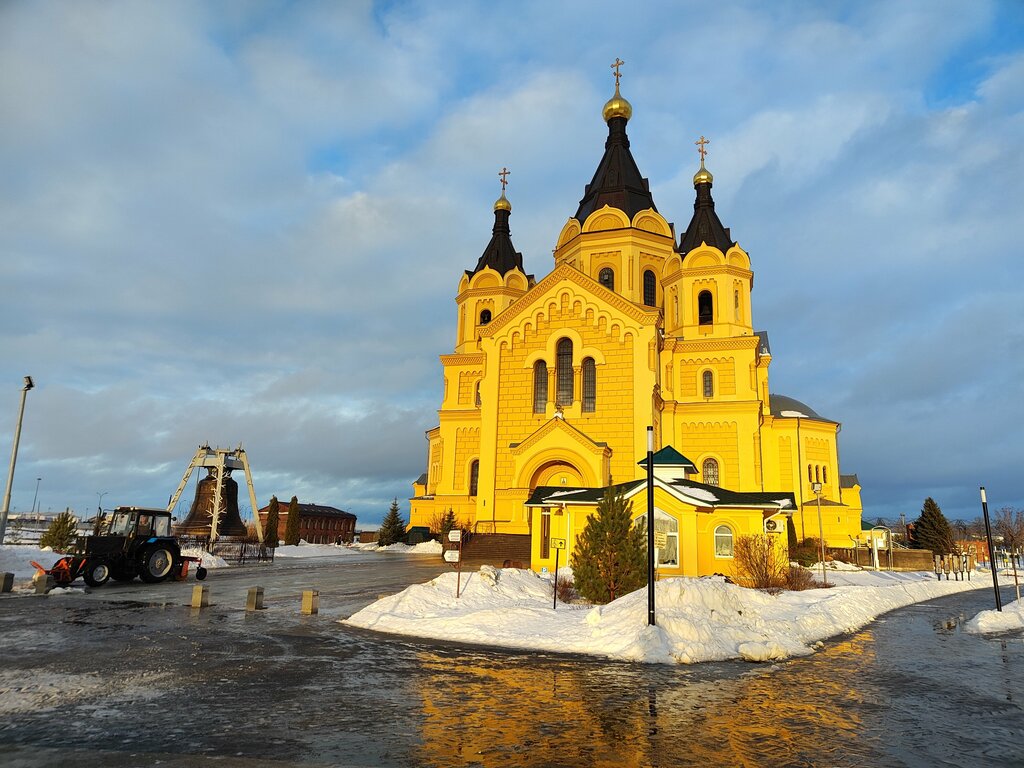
<point x="504" y="172"/>
<point x="618" y="63"/>
<point x="701" y="143"/>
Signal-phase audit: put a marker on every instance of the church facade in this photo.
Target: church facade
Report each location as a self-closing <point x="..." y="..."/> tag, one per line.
<point x="553" y="383"/>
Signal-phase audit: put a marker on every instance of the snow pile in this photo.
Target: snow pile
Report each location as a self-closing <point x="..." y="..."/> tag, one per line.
<point x="834" y="565"/>
<point x="303" y="549"/>
<point x="423" y="548"/>
<point x="206" y="559"/>
<point x="15" y="558"/>
<point x="1011" y="618"/>
<point x="704" y="619"/>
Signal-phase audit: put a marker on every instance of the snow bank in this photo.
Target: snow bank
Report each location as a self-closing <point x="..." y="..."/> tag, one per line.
<point x="14" y="558"/>
<point x="698" y="619"/>
<point x="423" y="548"/>
<point x="1011" y="618"/>
<point x="302" y="549"/>
<point x="206" y="559"/>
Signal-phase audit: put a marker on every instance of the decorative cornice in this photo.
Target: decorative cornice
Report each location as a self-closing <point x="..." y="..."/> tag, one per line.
<point x="470" y="358"/>
<point x="676" y="344"/>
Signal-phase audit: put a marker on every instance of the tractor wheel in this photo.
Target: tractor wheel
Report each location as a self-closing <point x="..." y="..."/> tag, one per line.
<point x="96" y="574"/>
<point x="155" y="564"/>
<point x="200" y="573"/>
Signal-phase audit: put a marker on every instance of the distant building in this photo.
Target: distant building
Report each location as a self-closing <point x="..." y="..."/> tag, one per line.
<point x="317" y="524"/>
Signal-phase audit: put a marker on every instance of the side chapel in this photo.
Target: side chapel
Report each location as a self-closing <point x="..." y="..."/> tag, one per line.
<point x="553" y="383"/>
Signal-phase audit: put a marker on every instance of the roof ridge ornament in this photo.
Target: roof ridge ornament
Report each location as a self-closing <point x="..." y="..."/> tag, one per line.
<point x="617" y="106"/>
<point x="502" y="203"/>
<point x="703" y="176"/>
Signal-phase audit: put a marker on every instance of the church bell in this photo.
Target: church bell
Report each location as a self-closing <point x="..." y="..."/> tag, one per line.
<point x="200" y="516"/>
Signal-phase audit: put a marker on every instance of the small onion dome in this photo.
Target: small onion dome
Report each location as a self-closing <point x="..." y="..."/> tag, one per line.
<point x="703" y="176"/>
<point x="617" y="106"/>
<point x="502" y="203"/>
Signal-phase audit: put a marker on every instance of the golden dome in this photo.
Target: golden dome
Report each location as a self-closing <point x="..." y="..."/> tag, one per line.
<point x="703" y="176"/>
<point x="617" y="106"/>
<point x="502" y="203"/>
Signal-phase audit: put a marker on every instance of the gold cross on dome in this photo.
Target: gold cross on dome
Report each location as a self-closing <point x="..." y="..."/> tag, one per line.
<point x="504" y="172"/>
<point x="700" y="148"/>
<point x="618" y="63"/>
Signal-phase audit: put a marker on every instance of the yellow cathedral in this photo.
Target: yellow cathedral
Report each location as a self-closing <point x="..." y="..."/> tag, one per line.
<point x="553" y="383"/>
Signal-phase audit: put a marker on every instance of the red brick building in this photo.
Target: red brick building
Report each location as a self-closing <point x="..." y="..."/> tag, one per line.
<point x="317" y="524"/>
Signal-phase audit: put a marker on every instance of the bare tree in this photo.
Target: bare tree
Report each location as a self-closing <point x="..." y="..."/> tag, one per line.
<point x="1009" y="524"/>
<point x="761" y="562"/>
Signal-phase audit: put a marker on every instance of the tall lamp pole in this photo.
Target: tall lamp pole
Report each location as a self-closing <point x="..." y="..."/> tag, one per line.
<point x="991" y="551"/>
<point x="14" y="458"/>
<point x="650" y="526"/>
<point x="816" y="487"/>
<point x="36" y="494"/>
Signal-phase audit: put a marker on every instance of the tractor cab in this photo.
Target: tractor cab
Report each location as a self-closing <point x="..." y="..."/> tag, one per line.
<point x="132" y="522"/>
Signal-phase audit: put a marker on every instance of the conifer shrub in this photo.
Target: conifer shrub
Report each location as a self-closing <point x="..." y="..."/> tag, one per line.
<point x="448" y="524"/>
<point x="392" y="528"/>
<point x="61" y="533"/>
<point x="271" y="537"/>
<point x="291" y="527"/>
<point x="760" y="562"/>
<point x="610" y="559"/>
<point x="932" y="530"/>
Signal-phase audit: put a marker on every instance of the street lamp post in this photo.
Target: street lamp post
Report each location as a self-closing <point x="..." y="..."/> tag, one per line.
<point x="650" y="526"/>
<point x="816" y="487"/>
<point x="36" y="495"/>
<point x="991" y="551"/>
<point x="14" y="458"/>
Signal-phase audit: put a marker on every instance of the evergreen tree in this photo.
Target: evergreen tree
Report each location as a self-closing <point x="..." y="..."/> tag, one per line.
<point x="270" y="535"/>
<point x="392" y="529"/>
<point x="61" y="533"/>
<point x="932" y="530"/>
<point x="791" y="542"/>
<point x="610" y="559"/>
<point x="448" y="523"/>
<point x="291" y="528"/>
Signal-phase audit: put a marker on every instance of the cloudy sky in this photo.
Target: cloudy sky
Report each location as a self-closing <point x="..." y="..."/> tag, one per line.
<point x="245" y="222"/>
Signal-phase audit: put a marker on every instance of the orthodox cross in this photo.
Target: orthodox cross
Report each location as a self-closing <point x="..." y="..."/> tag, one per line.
<point x="618" y="63"/>
<point x="701" y="144"/>
<point x="504" y="172"/>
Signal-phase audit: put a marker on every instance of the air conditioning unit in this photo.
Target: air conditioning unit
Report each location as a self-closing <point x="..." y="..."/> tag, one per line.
<point x="775" y="525"/>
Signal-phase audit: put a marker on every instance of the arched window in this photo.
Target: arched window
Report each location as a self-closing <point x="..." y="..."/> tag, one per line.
<point x="563" y="373"/>
<point x="474" y="477"/>
<point x="540" y="386"/>
<point x="709" y="383"/>
<point x="589" y="385"/>
<point x="705" y="308"/>
<point x="650" y="289"/>
<point x="709" y="471"/>
<point x="824" y="474"/>
<point x="667" y="555"/>
<point x="485" y="317"/>
<point x="810" y="477"/>
<point x="606" y="277"/>
<point x="817" y="474"/>
<point x="477" y="395"/>
<point x="723" y="541"/>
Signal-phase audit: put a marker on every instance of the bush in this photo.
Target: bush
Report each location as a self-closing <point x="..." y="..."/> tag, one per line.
<point x="799" y="579"/>
<point x="565" y="588"/>
<point x="807" y="553"/>
<point x="61" y="533"/>
<point x="761" y="562"/>
<point x="291" y="527"/>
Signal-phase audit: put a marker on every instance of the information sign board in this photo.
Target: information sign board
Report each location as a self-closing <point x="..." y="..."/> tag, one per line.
<point x="660" y="540"/>
<point x="558" y="543"/>
<point x="455" y="535"/>
<point x="451" y="556"/>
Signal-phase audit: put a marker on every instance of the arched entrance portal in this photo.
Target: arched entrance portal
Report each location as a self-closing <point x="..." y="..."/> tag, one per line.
<point x="557" y="473"/>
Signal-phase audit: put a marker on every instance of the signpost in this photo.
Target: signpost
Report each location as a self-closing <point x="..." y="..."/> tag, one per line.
<point x="455" y="556"/>
<point x="559" y="545"/>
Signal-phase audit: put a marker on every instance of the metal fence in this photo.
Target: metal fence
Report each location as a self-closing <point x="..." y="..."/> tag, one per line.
<point x="236" y="551"/>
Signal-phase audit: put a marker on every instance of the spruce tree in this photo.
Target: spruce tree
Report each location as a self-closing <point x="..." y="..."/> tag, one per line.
<point x="291" y="528"/>
<point x="270" y="535"/>
<point x="392" y="528"/>
<point x="932" y="530"/>
<point x="448" y="523"/>
<point x="610" y="559"/>
<point x="61" y="533"/>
